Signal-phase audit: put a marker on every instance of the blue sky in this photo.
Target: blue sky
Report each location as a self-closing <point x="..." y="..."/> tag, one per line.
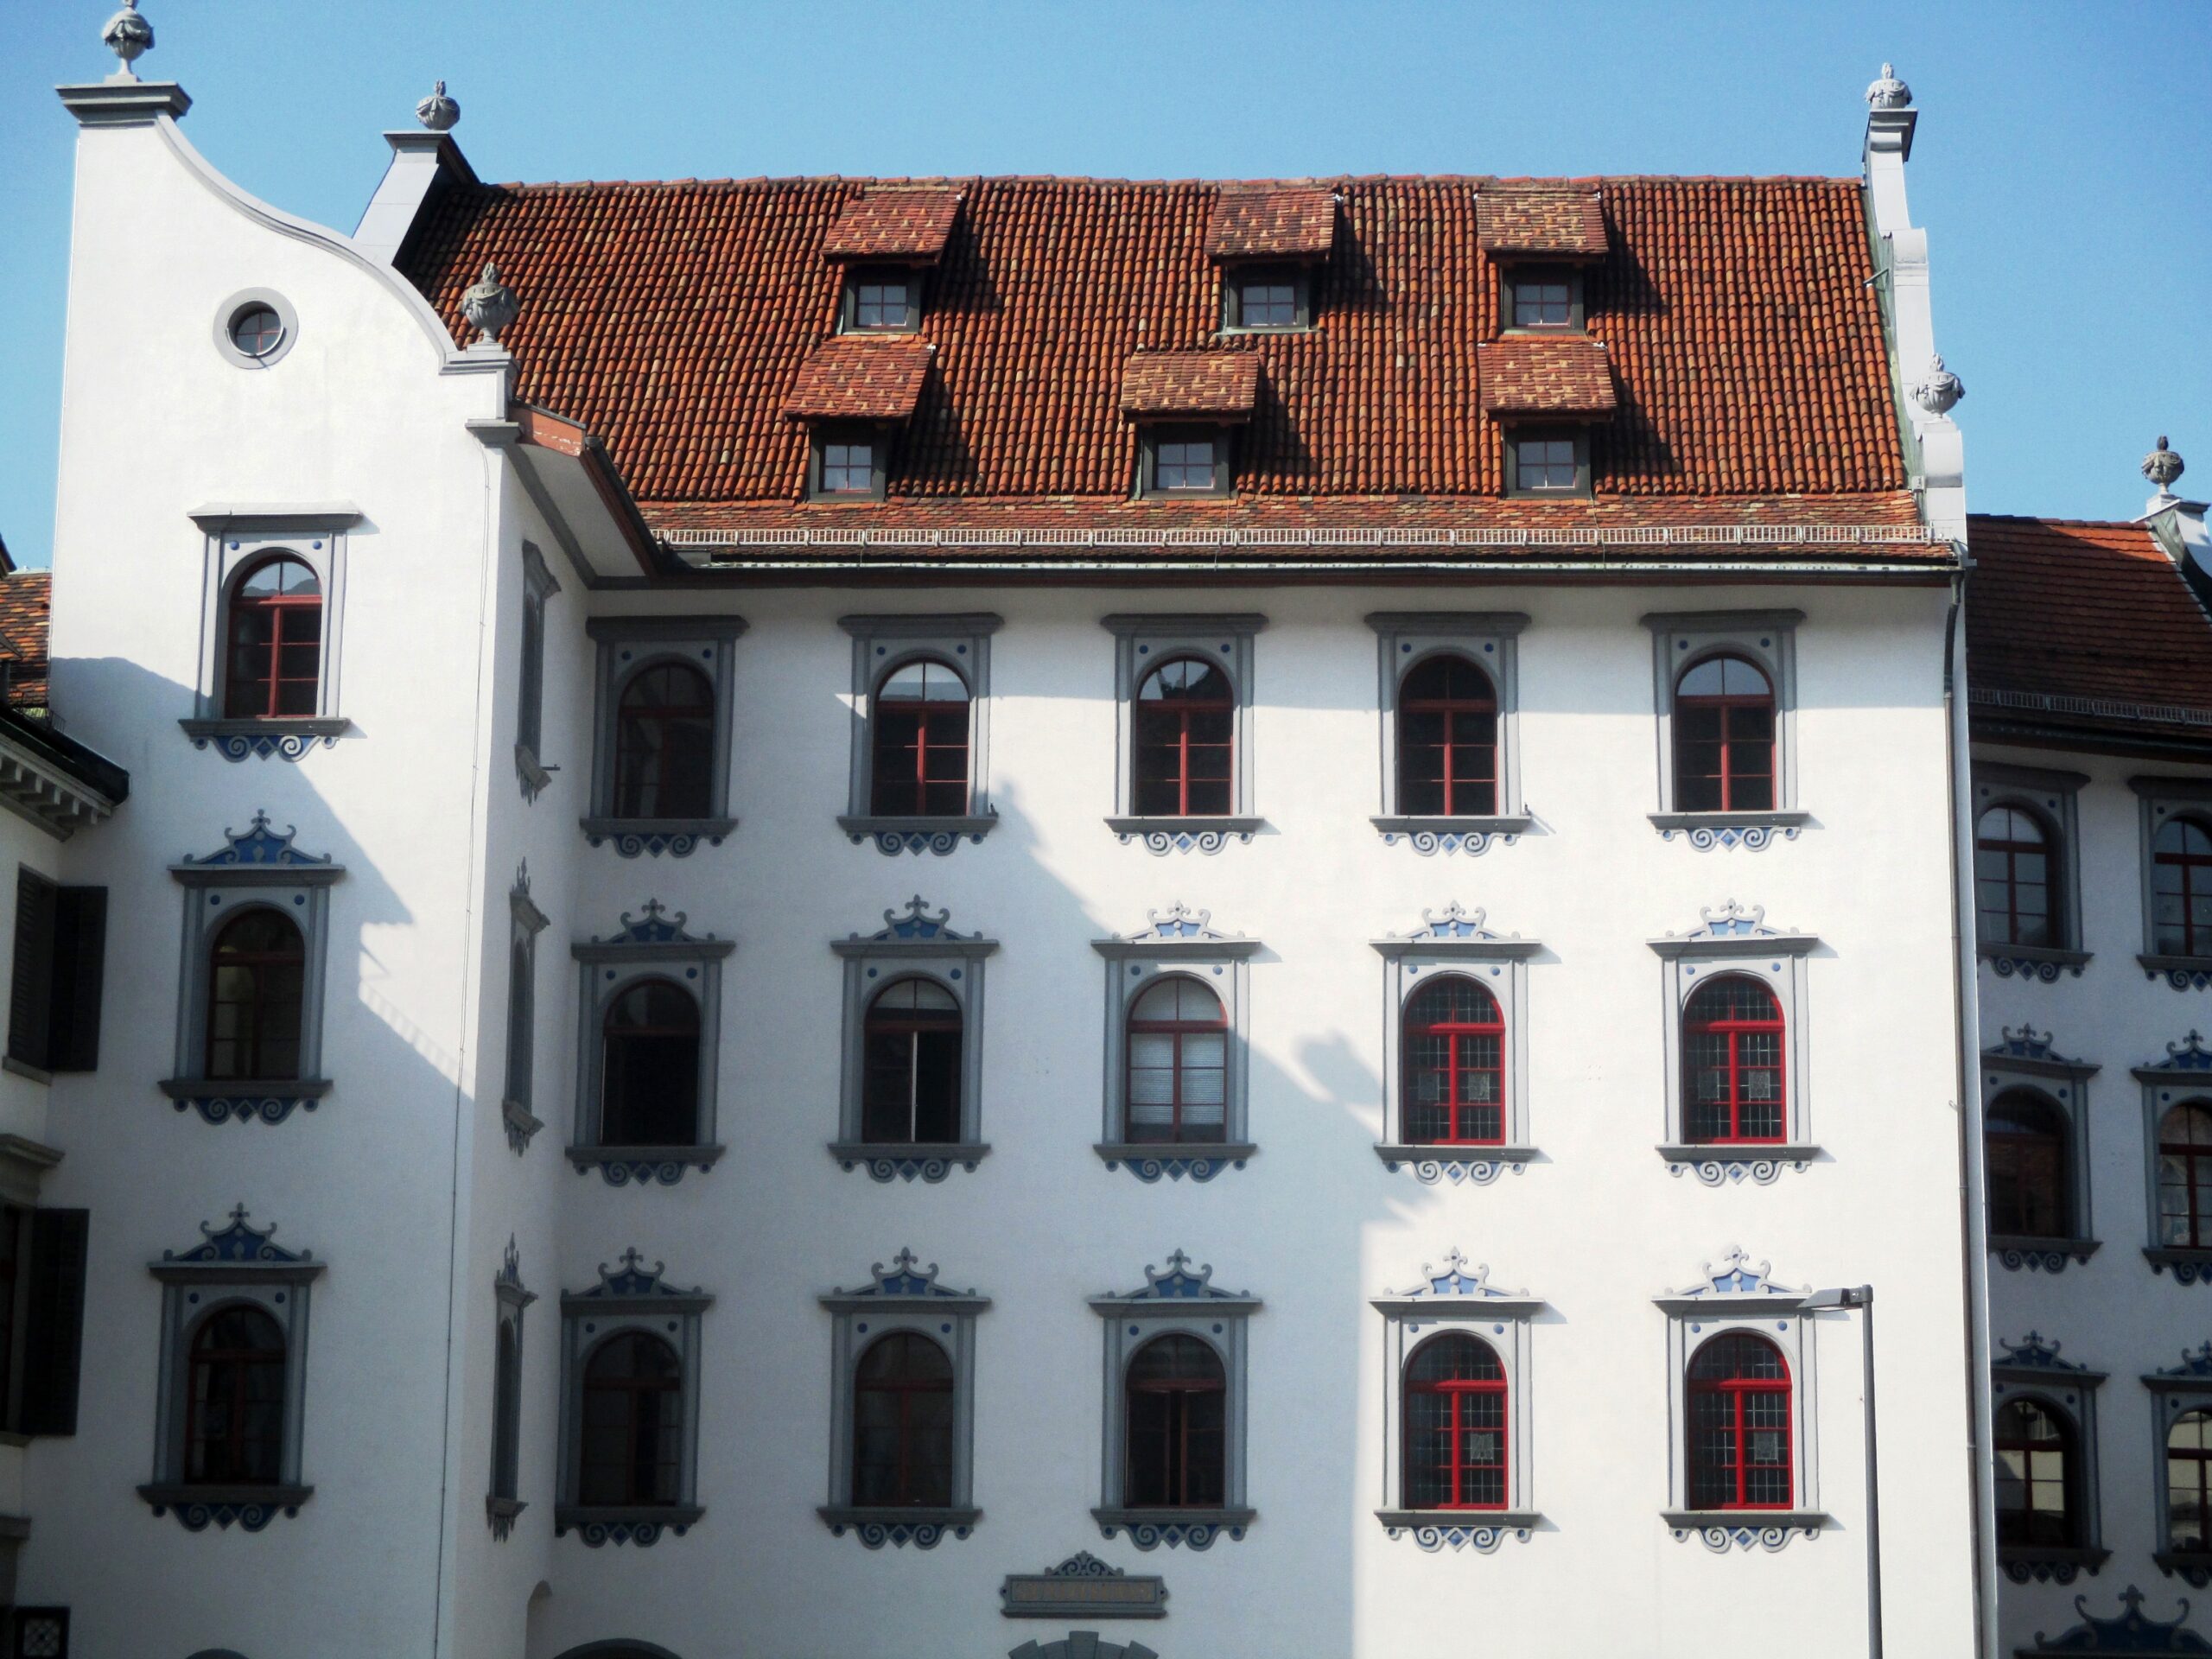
<point x="2063" y="165"/>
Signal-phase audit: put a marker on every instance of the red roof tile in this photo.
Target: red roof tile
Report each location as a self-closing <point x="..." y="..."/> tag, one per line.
<point x="1537" y="375"/>
<point x="857" y="378"/>
<point x="908" y="225"/>
<point x="1555" y="223"/>
<point x="2086" y="627"/>
<point x="1284" y="222"/>
<point x="1224" y="385"/>
<point x="26" y="597"/>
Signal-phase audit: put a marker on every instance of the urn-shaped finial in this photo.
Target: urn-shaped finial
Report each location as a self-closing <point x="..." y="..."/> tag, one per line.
<point x="437" y="111"/>
<point x="1888" y="93"/>
<point x="128" y="34"/>
<point x="489" y="306"/>
<point x="2162" y="467"/>
<point x="1939" y="390"/>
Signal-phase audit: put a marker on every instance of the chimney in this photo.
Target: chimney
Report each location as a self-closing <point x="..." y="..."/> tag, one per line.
<point x="425" y="161"/>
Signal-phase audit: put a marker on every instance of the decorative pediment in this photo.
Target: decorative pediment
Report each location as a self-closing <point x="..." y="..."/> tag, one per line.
<point x="1734" y="929"/>
<point x="256" y="854"/>
<point x="1732" y="921"/>
<point x="2129" y="1632"/>
<point x="1179" y="922"/>
<point x="1453" y="932"/>
<point x="1083" y="1644"/>
<point x="1736" y="1282"/>
<point x="239" y="1245"/>
<point x="2033" y="1353"/>
<point x="2196" y="1366"/>
<point x="507" y="1282"/>
<point x="518" y="900"/>
<point x="1177" y="929"/>
<point x="1455" y="1290"/>
<point x="1177" y="1282"/>
<point x="2188" y="1055"/>
<point x="2026" y="1044"/>
<point x="655" y="932"/>
<point x="905" y="1277"/>
<point x="915" y="928"/>
<point x="633" y="1281"/>
<point x="1082" y="1587"/>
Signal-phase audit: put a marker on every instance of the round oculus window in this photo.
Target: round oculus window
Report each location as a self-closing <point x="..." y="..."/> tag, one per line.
<point x="256" y="330"/>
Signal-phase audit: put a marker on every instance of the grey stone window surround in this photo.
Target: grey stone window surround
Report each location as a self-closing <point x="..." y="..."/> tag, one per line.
<point x="510" y="1299"/>
<point x="2174" y="1391"/>
<point x="235" y="536"/>
<point x="1176" y="1302"/>
<point x="881" y="646"/>
<point x="1521" y="426"/>
<point x="2052" y="800"/>
<point x="1177" y="942"/>
<point x="1452" y="942"/>
<point x="236" y="1266"/>
<point x="1512" y="274"/>
<point x="538" y="586"/>
<point x="1491" y="639"/>
<point x="2162" y="798"/>
<point x="227" y="313"/>
<point x="1142" y="642"/>
<point x="904" y="1297"/>
<point x="912" y="944"/>
<point x="1456" y="1300"/>
<point x="257" y="869"/>
<point x="2026" y="1060"/>
<point x="1298" y="274"/>
<point x="1679" y="640"/>
<point x="630" y="1297"/>
<point x="1082" y="1587"/>
<point x="1739" y="1295"/>
<point x="526" y="922"/>
<point x="1150" y="432"/>
<point x="2184" y="1076"/>
<point x="652" y="948"/>
<point x="2032" y="1369"/>
<point x="1735" y="941"/>
<point x="628" y="646"/>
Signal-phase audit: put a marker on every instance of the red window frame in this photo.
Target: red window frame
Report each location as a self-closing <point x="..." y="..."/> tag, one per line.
<point x="2189" y="1486"/>
<point x="919" y="768"/>
<point x="663" y="750"/>
<point x="231" y="1450"/>
<point x="2185" y="1176"/>
<point x="918" y="1480"/>
<point x="1179" y="1069"/>
<point x="1171" y="739"/>
<point x="1743" y="779"/>
<point x="1735" y="1034"/>
<point x="1192" y="1473"/>
<point x="267" y="1016"/>
<point x="2028" y="1166"/>
<point x="614" y="1105"/>
<point x="1998" y="882"/>
<point x="1723" y="1404"/>
<point x="1453" y="774"/>
<point x="1473" y="1406"/>
<point x="1463" y="1043"/>
<point x="644" y="1430"/>
<point x="2188" y="865"/>
<point x="2023" y="1461"/>
<point x="262" y="628"/>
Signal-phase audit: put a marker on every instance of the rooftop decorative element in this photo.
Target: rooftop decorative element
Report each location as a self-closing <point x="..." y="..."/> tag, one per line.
<point x="654" y="927"/>
<point x="2131" y="1632"/>
<point x="1737" y="1276"/>
<point x="128" y="34"/>
<point x="633" y="1278"/>
<point x="490" y="306"/>
<point x="437" y="111"/>
<point x="1888" y="93"/>
<point x="2033" y="1353"/>
<point x="1939" y="390"/>
<point x="259" y="845"/>
<point x="905" y="1277"/>
<point x="1456" y="1281"/>
<point x="238" y="1244"/>
<point x="2162" y="467"/>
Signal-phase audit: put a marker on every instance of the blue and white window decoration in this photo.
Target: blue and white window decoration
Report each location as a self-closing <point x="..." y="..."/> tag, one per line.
<point x="1177" y="1023"/>
<point x="2180" y="1417"/>
<point x="1143" y="643"/>
<point x="898" y="663"/>
<point x="2033" y="1371"/>
<point x="2177" y="1118"/>
<point x="526" y="922"/>
<point x="2130" y="1631"/>
<point x="1488" y="642"/>
<point x="257" y="887"/>
<point x="908" y="1329"/>
<point x="934" y="975"/>
<point x="694" y="649"/>
<point x="241" y="541"/>
<point x="1458" y="1303"/>
<point x="1766" y="641"/>
<point x="2028" y="1075"/>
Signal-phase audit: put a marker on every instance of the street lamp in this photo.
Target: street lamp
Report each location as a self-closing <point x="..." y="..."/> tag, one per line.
<point x="1862" y="1298"/>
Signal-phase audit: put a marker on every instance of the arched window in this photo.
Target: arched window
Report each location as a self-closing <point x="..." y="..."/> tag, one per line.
<point x="910" y="1081"/>
<point x="234" y="1401"/>
<point x="1739" y="1454"/>
<point x="664" y="744"/>
<point x="919" y="727"/>
<point x="275" y="641"/>
<point x="902" y="1424"/>
<point x="506" y="1415"/>
<point x="2181" y="889"/>
<point x="1454" y="1065"/>
<point x="1731" y="1052"/>
<point x="2188" y="1483"/>
<point x="1185" y="724"/>
<point x="2013" y="878"/>
<point x="633" y="1422"/>
<point x="1177" y="1426"/>
<point x="1178" y="1063"/>
<point x="256" y="972"/>
<point x="1455" y="1425"/>
<point x="1447" y="740"/>
<point x="1724" y="738"/>
<point x="2185" y="1177"/>
<point x="521" y="1024"/>
<point x="651" y="1075"/>
<point x="2035" y="1476"/>
<point x="2028" y="1176"/>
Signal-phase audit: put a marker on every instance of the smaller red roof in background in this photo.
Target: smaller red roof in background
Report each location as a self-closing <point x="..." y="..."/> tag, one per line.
<point x="1540" y="375"/>
<point x="1298" y="223"/>
<point x="857" y="378"/>
<point x="1541" y="223"/>
<point x="26" y="597"/>
<point x="1224" y="385"/>
<point x="904" y="225"/>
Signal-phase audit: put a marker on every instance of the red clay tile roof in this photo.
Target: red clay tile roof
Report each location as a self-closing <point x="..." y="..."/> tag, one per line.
<point x="1552" y="224"/>
<point x="909" y="226"/>
<point x="1224" y="385"/>
<point x="1286" y="222"/>
<point x="671" y="319"/>
<point x="857" y="378"/>
<point x="2087" y="627"/>
<point x="26" y="596"/>
<point x="1536" y="375"/>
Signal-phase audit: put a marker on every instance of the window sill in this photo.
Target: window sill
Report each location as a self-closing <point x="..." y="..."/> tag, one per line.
<point x="10" y="1063"/>
<point x="250" y="1507"/>
<point x="501" y="1512"/>
<point x="2020" y="1561"/>
<point x="626" y="1523"/>
<point x="1479" y="1166"/>
<point x="641" y="1166"/>
<point x="893" y="835"/>
<point x="1759" y="1162"/>
<point x="271" y="1099"/>
<point x="2018" y="1250"/>
<point x="1183" y="835"/>
<point x="2194" y="1565"/>
<point x="1150" y="1160"/>
<point x="11" y="1437"/>
<point x="930" y="1161"/>
<point x="1471" y="831"/>
<point x="678" y="837"/>
<point x="2041" y="961"/>
<point x="2183" y="973"/>
<point x="1749" y="829"/>
<point x="1725" y="1529"/>
<point x="290" y="736"/>
<point x="1149" y="1528"/>
<point x="1484" y="1528"/>
<point x="2190" y="1264"/>
<point x="900" y="1525"/>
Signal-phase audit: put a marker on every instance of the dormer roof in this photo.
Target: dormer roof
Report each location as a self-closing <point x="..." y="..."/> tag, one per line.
<point x="904" y="226"/>
<point x="1541" y="223"/>
<point x="861" y="378"/>
<point x="1208" y="385"/>
<point x="1286" y="221"/>
<point x="1534" y="376"/>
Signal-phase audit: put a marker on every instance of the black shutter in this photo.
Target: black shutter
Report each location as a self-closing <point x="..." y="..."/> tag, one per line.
<point x="41" y="1633"/>
<point x="30" y="991"/>
<point x="80" y="959"/>
<point x="55" y="1331"/>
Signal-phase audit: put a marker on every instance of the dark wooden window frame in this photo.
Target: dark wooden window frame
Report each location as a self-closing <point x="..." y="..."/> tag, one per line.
<point x="1299" y="278"/>
<point x="916" y="278"/>
<point x="876" y="437"/>
<point x="2015" y="1523"/>
<point x="1553" y="430"/>
<point x="1152" y="436"/>
<point x="1513" y="276"/>
<point x="911" y="1486"/>
<point x="1171" y="1485"/>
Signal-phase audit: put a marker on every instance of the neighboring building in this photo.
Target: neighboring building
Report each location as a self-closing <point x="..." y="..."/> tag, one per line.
<point x="2091" y="710"/>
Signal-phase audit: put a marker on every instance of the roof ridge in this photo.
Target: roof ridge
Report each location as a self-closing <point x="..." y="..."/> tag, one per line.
<point x="953" y="181"/>
<point x="2045" y="519"/>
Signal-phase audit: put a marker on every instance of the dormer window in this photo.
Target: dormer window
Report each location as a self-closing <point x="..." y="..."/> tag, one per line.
<point x="849" y="464"/>
<point x="1548" y="460"/>
<point x="1185" y="461"/>
<point x="1544" y="296"/>
<point x="881" y="300"/>
<point x="1266" y="298"/>
<point x="853" y="392"/>
<point x="1185" y="405"/>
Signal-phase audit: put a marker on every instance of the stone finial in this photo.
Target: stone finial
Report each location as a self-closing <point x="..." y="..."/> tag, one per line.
<point x="128" y="34"/>
<point x="490" y="306"/>
<point x="1888" y="93"/>
<point x="1939" y="390"/>
<point x="437" y="111"/>
<point x="2162" y="467"/>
